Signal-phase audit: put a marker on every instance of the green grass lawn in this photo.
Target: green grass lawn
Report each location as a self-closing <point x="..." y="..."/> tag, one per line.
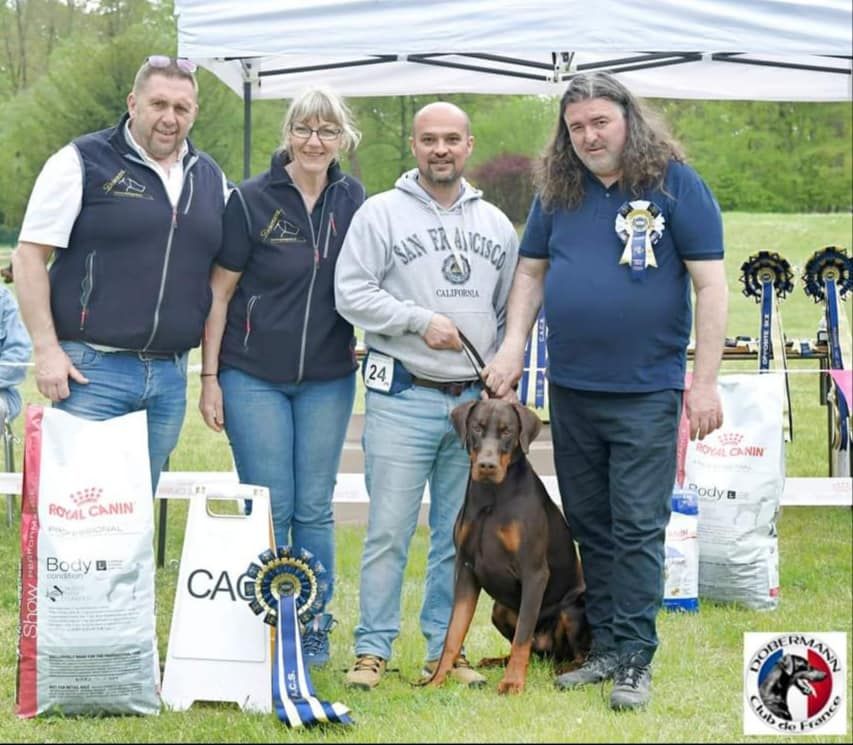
<point x="698" y="679"/>
<point x="697" y="672"/>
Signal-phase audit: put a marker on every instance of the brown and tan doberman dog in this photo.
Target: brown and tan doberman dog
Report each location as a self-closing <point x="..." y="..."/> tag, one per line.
<point x="513" y="542"/>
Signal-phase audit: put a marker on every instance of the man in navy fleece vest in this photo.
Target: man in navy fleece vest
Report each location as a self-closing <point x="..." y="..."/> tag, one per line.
<point x="132" y="218"/>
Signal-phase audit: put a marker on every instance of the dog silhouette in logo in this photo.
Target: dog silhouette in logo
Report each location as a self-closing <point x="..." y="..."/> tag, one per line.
<point x="131" y="186"/>
<point x="124" y="184"/>
<point x="282" y="231"/>
<point x="128" y="578"/>
<point x="791" y="671"/>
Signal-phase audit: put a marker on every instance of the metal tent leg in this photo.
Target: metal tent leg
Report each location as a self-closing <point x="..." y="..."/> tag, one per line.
<point x="9" y="460"/>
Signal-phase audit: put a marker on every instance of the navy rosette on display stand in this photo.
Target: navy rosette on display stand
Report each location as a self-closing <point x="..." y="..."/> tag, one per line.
<point x="828" y="278"/>
<point x="288" y="587"/>
<point x="768" y="278"/>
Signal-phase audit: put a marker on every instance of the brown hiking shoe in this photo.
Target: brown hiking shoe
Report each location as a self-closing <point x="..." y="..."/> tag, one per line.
<point x="461" y="672"/>
<point x="366" y="672"/>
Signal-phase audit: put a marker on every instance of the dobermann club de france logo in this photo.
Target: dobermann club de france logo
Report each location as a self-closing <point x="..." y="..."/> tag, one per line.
<point x="795" y="683"/>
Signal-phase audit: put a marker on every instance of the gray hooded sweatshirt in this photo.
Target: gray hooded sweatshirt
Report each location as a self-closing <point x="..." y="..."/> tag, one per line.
<point x="405" y="257"/>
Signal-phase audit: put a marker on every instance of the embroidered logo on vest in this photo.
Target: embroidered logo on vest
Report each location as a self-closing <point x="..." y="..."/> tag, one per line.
<point x="279" y="230"/>
<point x="122" y="185"/>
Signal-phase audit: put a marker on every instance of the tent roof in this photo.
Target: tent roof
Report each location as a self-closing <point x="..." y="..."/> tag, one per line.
<point x="760" y="49"/>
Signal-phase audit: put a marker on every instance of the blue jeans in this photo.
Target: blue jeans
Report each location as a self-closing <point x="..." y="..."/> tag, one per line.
<point x="615" y="456"/>
<point x="289" y="437"/>
<point x="408" y="441"/>
<point x="123" y="382"/>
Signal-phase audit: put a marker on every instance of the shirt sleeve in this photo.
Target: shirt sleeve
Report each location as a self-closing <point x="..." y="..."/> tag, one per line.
<point x="359" y="272"/>
<point x="236" y="244"/>
<point x="505" y="282"/>
<point x="695" y="219"/>
<point x="55" y="201"/>
<point x="537" y="233"/>
<point x="15" y="347"/>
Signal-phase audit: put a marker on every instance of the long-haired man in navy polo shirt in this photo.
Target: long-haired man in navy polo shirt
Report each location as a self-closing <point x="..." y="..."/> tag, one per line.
<point x="619" y="230"/>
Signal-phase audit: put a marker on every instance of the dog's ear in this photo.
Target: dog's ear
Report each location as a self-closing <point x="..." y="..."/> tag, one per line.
<point x="531" y="425"/>
<point x="459" y="416"/>
<point x="787" y="663"/>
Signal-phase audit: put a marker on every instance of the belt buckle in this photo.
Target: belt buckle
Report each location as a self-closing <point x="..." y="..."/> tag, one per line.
<point x="155" y="356"/>
<point x="455" y="389"/>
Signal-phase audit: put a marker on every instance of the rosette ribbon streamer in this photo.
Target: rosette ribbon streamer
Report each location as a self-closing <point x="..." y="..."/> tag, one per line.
<point x="828" y="278"/>
<point x="768" y="278"/>
<point x="640" y="225"/>
<point x="535" y="369"/>
<point x="288" y="586"/>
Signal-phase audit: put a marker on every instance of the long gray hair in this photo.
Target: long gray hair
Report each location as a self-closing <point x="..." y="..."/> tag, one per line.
<point x="649" y="146"/>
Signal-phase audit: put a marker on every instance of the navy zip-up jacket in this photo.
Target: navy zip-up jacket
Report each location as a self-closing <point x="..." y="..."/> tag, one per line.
<point x="136" y="272"/>
<point x="282" y="325"/>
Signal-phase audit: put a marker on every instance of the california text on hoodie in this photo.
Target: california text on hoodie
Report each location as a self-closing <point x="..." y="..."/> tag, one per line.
<point x="405" y="258"/>
<point x="136" y="272"/>
<point x="282" y="325"/>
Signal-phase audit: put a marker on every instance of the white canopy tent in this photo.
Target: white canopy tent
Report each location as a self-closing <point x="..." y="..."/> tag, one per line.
<point x="718" y="49"/>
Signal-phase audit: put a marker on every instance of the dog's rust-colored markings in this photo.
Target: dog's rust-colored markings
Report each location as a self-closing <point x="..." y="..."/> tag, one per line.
<point x="513" y="543"/>
<point x="510" y="536"/>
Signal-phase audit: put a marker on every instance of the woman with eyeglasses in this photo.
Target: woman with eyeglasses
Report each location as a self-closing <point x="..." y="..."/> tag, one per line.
<point x="278" y="362"/>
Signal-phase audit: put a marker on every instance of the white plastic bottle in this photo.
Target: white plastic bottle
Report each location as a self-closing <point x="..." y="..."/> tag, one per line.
<point x="681" y="568"/>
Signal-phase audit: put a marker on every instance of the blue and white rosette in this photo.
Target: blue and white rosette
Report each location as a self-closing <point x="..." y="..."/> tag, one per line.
<point x="640" y="225"/>
<point x="768" y="278"/>
<point x="828" y="278"/>
<point x="288" y="587"/>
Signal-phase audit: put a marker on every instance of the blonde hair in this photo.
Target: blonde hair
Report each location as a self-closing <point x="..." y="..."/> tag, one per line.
<point x="321" y="103"/>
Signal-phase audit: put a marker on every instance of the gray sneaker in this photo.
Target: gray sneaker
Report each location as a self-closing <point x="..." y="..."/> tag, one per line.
<point x="599" y="666"/>
<point x="632" y="684"/>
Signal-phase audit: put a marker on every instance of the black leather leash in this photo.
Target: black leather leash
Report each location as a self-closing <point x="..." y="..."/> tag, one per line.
<point x="476" y="362"/>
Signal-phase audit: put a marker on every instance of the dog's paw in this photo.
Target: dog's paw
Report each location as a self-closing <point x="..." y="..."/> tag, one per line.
<point x="510" y="686"/>
<point x="488" y="662"/>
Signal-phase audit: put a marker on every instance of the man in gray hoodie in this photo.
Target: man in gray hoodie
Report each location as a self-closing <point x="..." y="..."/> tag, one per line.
<point x="420" y="263"/>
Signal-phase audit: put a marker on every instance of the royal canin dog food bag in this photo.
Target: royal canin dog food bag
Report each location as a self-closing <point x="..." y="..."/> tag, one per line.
<point x="738" y="473"/>
<point x="86" y="635"/>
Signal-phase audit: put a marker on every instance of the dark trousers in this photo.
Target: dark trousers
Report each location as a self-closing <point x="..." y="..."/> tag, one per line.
<point x="615" y="456"/>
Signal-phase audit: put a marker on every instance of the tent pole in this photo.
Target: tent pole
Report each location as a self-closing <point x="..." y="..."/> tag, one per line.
<point x="247" y="129"/>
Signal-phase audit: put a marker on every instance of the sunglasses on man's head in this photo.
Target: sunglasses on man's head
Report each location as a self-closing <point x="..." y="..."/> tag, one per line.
<point x="182" y="63"/>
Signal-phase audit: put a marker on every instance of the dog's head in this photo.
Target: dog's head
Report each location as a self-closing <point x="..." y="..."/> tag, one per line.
<point x="791" y="671"/>
<point x="492" y="431"/>
<point x="802" y="673"/>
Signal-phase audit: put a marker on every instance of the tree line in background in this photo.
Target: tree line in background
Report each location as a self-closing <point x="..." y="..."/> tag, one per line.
<point x="66" y="67"/>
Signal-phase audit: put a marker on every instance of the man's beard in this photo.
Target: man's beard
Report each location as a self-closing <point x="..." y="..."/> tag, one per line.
<point x="449" y="177"/>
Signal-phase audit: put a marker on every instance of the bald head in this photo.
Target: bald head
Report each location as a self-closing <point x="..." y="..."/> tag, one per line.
<point x="442" y="112"/>
<point x="441" y="143"/>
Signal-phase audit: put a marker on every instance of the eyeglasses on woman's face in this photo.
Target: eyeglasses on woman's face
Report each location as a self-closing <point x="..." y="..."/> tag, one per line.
<point x="326" y="133"/>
